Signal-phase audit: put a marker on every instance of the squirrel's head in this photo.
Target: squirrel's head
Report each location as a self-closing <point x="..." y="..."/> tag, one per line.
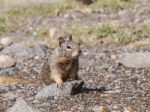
<point x="68" y="47"/>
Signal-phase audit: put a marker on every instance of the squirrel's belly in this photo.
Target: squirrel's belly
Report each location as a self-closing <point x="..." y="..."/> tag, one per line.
<point x="66" y="72"/>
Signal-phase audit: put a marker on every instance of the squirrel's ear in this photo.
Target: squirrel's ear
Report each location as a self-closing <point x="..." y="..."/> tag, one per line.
<point x="61" y="40"/>
<point x="69" y="37"/>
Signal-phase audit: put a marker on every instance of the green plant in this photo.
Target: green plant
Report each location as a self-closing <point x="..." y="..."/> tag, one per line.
<point x="145" y="30"/>
<point x="110" y="4"/>
<point x="107" y="34"/>
<point x="2" y="24"/>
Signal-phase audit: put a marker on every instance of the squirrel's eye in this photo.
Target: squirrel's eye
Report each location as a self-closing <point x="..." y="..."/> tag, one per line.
<point x="68" y="47"/>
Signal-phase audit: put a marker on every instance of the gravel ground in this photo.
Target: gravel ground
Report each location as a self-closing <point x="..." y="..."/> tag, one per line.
<point x="107" y="83"/>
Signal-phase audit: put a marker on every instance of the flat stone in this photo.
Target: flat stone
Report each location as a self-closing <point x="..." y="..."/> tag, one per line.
<point x="69" y="88"/>
<point x="23" y="52"/>
<point x="9" y="71"/>
<point x="6" y="61"/>
<point x="21" y="106"/>
<point x="6" y="41"/>
<point x="4" y="89"/>
<point x="135" y="60"/>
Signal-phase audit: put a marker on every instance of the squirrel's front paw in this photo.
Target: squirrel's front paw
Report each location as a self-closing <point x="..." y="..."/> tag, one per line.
<point x="60" y="84"/>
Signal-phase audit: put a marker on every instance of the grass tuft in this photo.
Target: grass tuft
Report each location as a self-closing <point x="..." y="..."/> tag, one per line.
<point x="2" y="24"/>
<point x="110" y="4"/>
<point x="145" y="30"/>
<point x="107" y="34"/>
<point x="42" y="9"/>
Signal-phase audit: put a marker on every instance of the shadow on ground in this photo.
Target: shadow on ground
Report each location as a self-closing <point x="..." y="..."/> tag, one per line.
<point x="88" y="90"/>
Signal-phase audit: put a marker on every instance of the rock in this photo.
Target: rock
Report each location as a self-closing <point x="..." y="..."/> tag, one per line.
<point x="10" y="71"/>
<point x="19" y="50"/>
<point x="4" y="89"/>
<point x="135" y="60"/>
<point x="6" y="61"/>
<point x="21" y="106"/>
<point x="39" y="50"/>
<point x="6" y="41"/>
<point x="23" y="52"/>
<point x="69" y="88"/>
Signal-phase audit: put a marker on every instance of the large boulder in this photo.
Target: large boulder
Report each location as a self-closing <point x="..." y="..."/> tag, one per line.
<point x="9" y="71"/>
<point x="21" y="106"/>
<point x="3" y="89"/>
<point x="6" y="41"/>
<point x="6" y="61"/>
<point x="69" y="88"/>
<point x="135" y="60"/>
<point x="23" y="52"/>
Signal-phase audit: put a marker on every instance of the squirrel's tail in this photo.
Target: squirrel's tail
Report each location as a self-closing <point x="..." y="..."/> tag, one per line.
<point x="45" y="73"/>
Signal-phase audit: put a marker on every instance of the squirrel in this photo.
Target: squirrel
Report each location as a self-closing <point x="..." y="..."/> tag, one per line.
<point x="63" y="64"/>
